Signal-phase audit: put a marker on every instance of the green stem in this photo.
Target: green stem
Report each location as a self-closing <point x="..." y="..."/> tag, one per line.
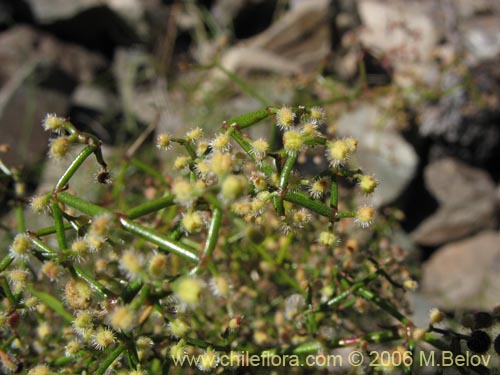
<point x="149" y="207"/>
<point x="383" y="304"/>
<point x="81" y="205"/>
<point x="148" y="169"/>
<point x="249" y="119"/>
<point x="6" y="261"/>
<point x="345" y="215"/>
<point x="59" y="224"/>
<point x="43" y="248"/>
<point x="50" y="230"/>
<point x="334" y="192"/>
<point x="244" y="85"/>
<point x="52" y="302"/>
<point x="73" y="167"/>
<point x="20" y="220"/>
<point x="212" y="236"/>
<point x="285" y="175"/>
<point x="98" y="287"/>
<point x="303" y="199"/>
<point x="156" y="238"/>
<point x="7" y="291"/>
<point x="112" y="355"/>
<point x="130" y="226"/>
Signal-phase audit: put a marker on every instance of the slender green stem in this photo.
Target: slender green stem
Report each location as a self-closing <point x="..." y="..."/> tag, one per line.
<point x="149" y="207"/>
<point x="98" y="287"/>
<point x="81" y="205"/>
<point x="244" y="85"/>
<point x="334" y="192"/>
<point x="130" y="226"/>
<point x="6" y="261"/>
<point x="7" y="291"/>
<point x="249" y="119"/>
<point x="73" y="167"/>
<point x="112" y="355"/>
<point x="59" y="224"/>
<point x="283" y="182"/>
<point x="304" y="200"/>
<point x="52" y="302"/>
<point x="345" y="215"/>
<point x="346" y="293"/>
<point x="50" y="230"/>
<point x="212" y="236"/>
<point x="120" y="179"/>
<point x="383" y="304"/>
<point x="148" y="169"/>
<point x="43" y="248"/>
<point x="20" y="220"/>
<point x="156" y="238"/>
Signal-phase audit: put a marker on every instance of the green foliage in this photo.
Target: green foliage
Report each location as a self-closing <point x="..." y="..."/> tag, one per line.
<point x="234" y="251"/>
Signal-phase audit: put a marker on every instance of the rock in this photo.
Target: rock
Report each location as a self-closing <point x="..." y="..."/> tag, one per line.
<point x="457" y="124"/>
<point x="482" y="37"/>
<point x="28" y="57"/>
<point x="94" y="98"/>
<point x="296" y="43"/>
<point x="405" y="32"/>
<point x="382" y="151"/>
<point x="97" y="24"/>
<point x="49" y="11"/>
<point x="467" y="202"/>
<point x="465" y="274"/>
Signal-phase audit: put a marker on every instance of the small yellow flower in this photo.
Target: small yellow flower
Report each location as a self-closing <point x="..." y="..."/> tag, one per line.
<point x="368" y="184"/>
<point x="352" y="144"/>
<point x="192" y="222"/>
<point x="317" y="115"/>
<point x="39" y="370"/>
<point x="122" y="318"/>
<point x="131" y="263"/>
<point x="285" y="117"/>
<point x="318" y="188"/>
<point x="208" y="360"/>
<point x="158" y="265"/>
<point x="183" y="191"/>
<point x="53" y="123"/>
<point x="59" y="147"/>
<point x="293" y="141"/>
<point x="164" y="141"/>
<point x="188" y="290"/>
<point x="337" y="152"/>
<point x="221" y="142"/>
<point x="364" y="216"/>
<point x="328" y="239"/>
<point x="103" y="338"/>
<point x="40" y="203"/>
<point x="233" y="187"/>
<point x="221" y="163"/>
<point x="78" y="294"/>
<point x="179" y="327"/>
<point x="194" y="134"/>
<point x="260" y="147"/>
<point x="20" y="247"/>
<point x="181" y="162"/>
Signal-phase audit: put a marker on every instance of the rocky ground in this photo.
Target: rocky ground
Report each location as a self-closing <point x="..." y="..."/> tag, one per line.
<point x="429" y="116"/>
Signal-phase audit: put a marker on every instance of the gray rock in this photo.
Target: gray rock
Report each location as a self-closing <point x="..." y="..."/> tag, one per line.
<point x="296" y="43"/>
<point x="49" y="11"/>
<point x="467" y="202"/>
<point x="406" y="32"/>
<point x="465" y="274"/>
<point x="37" y="74"/>
<point x="482" y="37"/>
<point x="382" y="151"/>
